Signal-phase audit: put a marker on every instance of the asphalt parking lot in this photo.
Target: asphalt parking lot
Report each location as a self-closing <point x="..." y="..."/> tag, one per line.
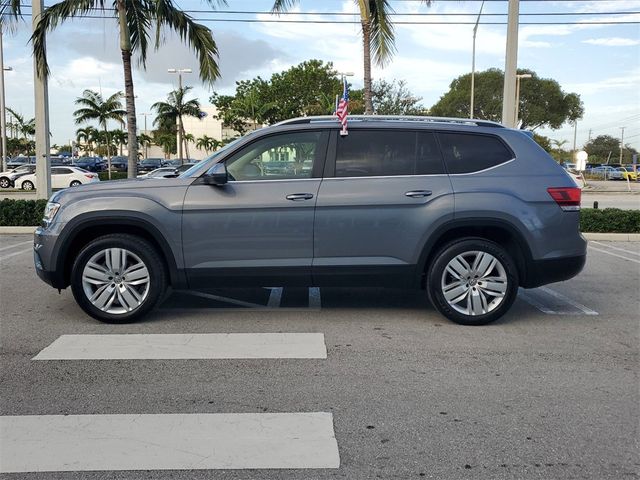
<point x="392" y="390"/>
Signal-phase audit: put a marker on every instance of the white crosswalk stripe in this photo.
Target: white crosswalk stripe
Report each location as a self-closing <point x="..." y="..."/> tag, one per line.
<point x="48" y="443"/>
<point x="185" y="346"/>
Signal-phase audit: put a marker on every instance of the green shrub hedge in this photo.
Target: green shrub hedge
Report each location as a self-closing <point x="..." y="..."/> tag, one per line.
<point x="114" y="176"/>
<point x="607" y="220"/>
<point x="21" y="213"/>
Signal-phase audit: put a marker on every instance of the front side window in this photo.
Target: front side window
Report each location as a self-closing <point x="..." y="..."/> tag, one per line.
<point x="466" y="153"/>
<point x="289" y="155"/>
<point x="367" y="153"/>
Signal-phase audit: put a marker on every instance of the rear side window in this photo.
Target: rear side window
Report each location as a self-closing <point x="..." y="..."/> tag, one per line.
<point x="367" y="153"/>
<point x="466" y="153"/>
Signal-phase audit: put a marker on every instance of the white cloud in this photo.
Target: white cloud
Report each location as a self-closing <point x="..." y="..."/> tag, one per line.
<point x="612" y="42"/>
<point x="630" y="81"/>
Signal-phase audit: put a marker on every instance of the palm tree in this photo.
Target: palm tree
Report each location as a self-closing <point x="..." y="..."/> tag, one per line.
<point x="86" y="137"/>
<point x="94" y="107"/>
<point x="22" y="126"/>
<point x="174" y="109"/>
<point x="377" y="36"/>
<point x="207" y="143"/>
<point x="139" y="21"/>
<point x="119" y="139"/>
<point x="144" y="141"/>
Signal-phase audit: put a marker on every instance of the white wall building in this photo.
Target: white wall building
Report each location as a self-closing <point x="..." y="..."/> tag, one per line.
<point x="208" y="125"/>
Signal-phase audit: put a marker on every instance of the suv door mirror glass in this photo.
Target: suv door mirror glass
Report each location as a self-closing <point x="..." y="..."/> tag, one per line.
<point x="216" y="175"/>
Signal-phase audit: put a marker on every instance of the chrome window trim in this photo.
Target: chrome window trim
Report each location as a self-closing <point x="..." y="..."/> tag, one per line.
<point x="483" y="170"/>
<point x="387" y="176"/>
<point x="304" y="179"/>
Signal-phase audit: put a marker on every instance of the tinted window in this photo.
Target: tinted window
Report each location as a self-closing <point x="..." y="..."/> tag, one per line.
<point x="61" y="171"/>
<point x="464" y="153"/>
<point x="290" y="155"/>
<point x="365" y="153"/>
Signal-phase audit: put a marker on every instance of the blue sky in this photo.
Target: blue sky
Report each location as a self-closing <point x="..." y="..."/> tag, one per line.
<point x="599" y="62"/>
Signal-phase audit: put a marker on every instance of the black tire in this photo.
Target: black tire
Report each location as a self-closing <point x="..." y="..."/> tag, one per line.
<point x="28" y="185"/>
<point x="465" y="246"/>
<point x="75" y="183"/>
<point x="141" y="248"/>
<point x="4" y="182"/>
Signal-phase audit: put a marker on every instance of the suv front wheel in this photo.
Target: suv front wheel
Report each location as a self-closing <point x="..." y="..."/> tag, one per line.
<point x="118" y="278"/>
<point x="472" y="281"/>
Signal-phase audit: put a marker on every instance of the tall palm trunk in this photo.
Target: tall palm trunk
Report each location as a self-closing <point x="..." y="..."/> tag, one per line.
<point x="107" y="144"/>
<point x="130" y="100"/>
<point x="366" y="43"/>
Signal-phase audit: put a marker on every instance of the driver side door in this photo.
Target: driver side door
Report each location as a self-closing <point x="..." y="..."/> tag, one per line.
<point x="257" y="229"/>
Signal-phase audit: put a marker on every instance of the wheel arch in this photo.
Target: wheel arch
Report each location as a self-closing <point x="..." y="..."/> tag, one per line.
<point x="498" y="231"/>
<point x="83" y="231"/>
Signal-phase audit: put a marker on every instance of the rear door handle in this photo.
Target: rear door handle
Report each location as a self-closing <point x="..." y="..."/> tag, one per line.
<point x="418" y="193"/>
<point x="296" y="197"/>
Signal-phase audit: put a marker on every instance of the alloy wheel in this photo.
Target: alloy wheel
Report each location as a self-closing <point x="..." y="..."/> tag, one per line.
<point x="116" y="281"/>
<point x="474" y="283"/>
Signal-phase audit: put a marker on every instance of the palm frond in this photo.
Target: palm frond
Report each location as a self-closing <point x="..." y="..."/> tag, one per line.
<point x="139" y="19"/>
<point x="382" y="32"/>
<point x="197" y="36"/>
<point x="53" y="16"/>
<point x="280" y="6"/>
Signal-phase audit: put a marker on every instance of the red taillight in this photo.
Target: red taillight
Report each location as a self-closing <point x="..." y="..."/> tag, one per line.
<point x="89" y="175"/>
<point x="568" y="198"/>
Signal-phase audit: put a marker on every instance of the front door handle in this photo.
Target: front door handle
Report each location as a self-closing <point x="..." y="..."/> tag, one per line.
<point x="296" y="197"/>
<point x="418" y="193"/>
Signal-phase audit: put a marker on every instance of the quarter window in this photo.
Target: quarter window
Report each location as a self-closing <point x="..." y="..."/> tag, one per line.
<point x="290" y="155"/>
<point x="366" y="153"/>
<point x="466" y="153"/>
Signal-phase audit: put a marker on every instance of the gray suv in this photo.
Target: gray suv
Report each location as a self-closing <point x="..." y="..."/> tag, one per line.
<point x="466" y="209"/>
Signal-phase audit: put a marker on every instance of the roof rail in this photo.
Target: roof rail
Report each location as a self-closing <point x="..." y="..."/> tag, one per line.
<point x="393" y="118"/>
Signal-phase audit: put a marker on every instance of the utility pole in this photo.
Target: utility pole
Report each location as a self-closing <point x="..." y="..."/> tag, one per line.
<point x="179" y="71"/>
<point x="473" y="62"/>
<point x="621" y="143"/>
<point x="575" y="135"/>
<point x="146" y="146"/>
<point x="41" y="96"/>
<point x="510" y="66"/>
<point x="590" y="130"/>
<point x="3" y="115"/>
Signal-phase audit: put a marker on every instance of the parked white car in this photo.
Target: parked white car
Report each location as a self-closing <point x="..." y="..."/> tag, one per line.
<point x="61" y="177"/>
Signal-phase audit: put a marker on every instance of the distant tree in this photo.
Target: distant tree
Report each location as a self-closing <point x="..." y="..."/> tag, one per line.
<point x="118" y="139"/>
<point x="605" y="148"/>
<point x="207" y="143"/>
<point x="394" y="98"/>
<point x="20" y="125"/>
<point x="174" y="110"/>
<point x="542" y="101"/>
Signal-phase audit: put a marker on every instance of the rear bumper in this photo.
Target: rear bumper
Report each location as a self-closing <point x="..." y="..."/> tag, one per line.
<point x="541" y="272"/>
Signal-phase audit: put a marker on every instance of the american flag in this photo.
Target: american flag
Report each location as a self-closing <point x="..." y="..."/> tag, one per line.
<point x="343" y="107"/>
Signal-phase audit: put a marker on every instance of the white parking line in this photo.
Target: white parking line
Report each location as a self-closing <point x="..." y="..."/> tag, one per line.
<point x="634" y="260"/>
<point x="15" y="245"/>
<point x="616" y="248"/>
<point x="553" y="303"/>
<point x="185" y="346"/>
<point x="314" y="298"/>
<point x="57" y="443"/>
<point x="15" y="254"/>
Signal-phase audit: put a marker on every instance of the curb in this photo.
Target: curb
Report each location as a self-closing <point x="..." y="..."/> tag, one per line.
<point x="611" y="237"/>
<point x="16" y="230"/>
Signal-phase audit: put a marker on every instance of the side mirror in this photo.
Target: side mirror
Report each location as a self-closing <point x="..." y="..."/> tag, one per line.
<point x="216" y="175"/>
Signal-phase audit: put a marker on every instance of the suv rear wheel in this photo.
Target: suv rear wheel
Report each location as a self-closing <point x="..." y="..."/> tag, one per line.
<point x="118" y="278"/>
<point x="472" y="281"/>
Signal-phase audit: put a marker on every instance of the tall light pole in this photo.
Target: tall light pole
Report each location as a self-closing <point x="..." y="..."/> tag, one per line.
<point x="621" y="143"/>
<point x="3" y="114"/>
<point x="510" y="66"/>
<point x="146" y="147"/>
<point x="41" y="97"/>
<point x="473" y="61"/>
<point x="517" y="105"/>
<point x="179" y="71"/>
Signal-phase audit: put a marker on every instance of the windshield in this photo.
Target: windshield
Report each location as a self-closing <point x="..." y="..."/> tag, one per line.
<point x="150" y="161"/>
<point x="205" y="164"/>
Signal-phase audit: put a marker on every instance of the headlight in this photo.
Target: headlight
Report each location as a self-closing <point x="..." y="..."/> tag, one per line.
<point x="50" y="212"/>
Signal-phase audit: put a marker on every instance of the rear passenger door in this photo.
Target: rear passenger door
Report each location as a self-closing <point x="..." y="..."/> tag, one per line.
<point x="383" y="193"/>
<point x="60" y="177"/>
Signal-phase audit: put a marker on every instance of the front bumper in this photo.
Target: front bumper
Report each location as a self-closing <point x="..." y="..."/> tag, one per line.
<point x="44" y="258"/>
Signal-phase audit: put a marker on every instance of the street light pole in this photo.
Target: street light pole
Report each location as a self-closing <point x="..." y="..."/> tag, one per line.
<point x="179" y="71"/>
<point x="473" y="61"/>
<point x="146" y="147"/>
<point x="621" y="143"/>
<point x="43" y="161"/>
<point x="517" y="105"/>
<point x="511" y="63"/>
